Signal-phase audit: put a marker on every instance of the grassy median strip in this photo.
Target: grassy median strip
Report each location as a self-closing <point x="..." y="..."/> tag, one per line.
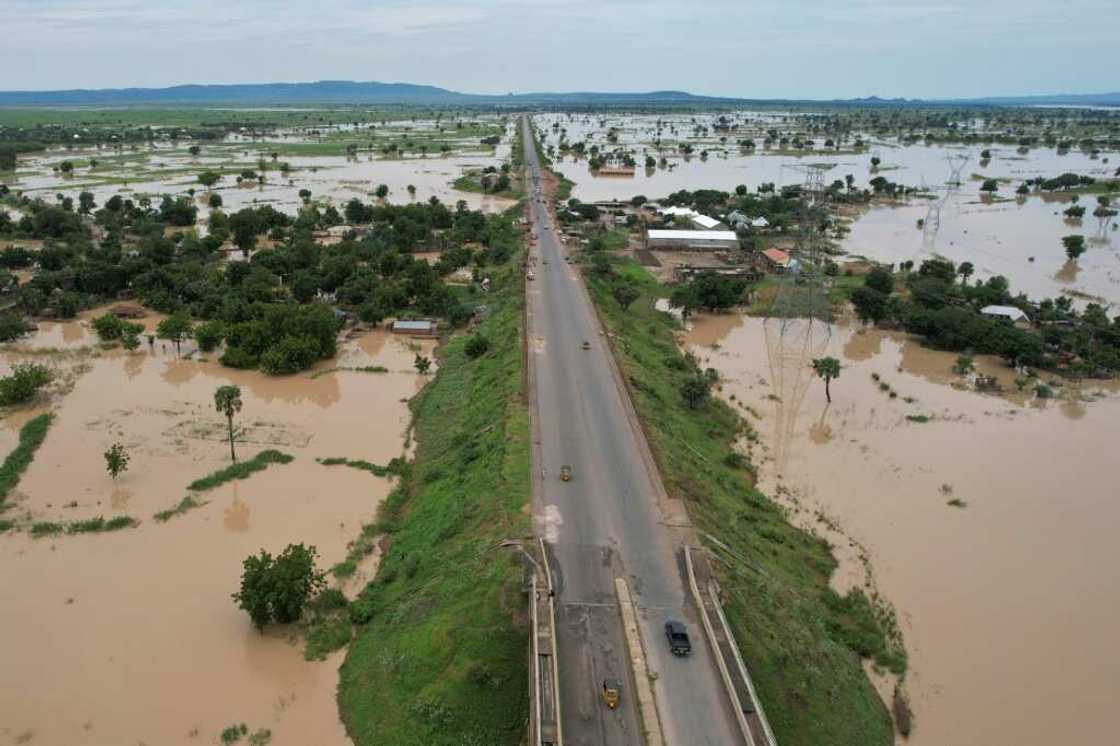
<point x="240" y="470"/>
<point x="31" y="436"/>
<point x="802" y="642"/>
<point x="440" y="651"/>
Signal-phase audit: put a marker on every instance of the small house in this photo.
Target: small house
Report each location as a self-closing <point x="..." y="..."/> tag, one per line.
<point x="778" y="260"/>
<point x="415" y="327"/>
<point x="1008" y="313"/>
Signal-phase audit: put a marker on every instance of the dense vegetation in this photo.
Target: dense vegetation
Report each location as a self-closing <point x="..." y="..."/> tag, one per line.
<point x="31" y="436"/>
<point x="802" y="641"/>
<point x="439" y="657"/>
<point x="280" y="310"/>
<point x="931" y="302"/>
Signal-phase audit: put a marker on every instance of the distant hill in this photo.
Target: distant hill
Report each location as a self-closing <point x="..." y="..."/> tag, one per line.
<point x="323" y="92"/>
<point x="372" y="92"/>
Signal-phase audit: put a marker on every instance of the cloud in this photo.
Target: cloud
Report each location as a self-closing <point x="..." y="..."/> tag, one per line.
<point x="734" y="47"/>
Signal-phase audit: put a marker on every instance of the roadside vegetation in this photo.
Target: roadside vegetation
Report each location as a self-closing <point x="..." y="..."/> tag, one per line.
<point x="439" y="654"/>
<point x="803" y="642"/>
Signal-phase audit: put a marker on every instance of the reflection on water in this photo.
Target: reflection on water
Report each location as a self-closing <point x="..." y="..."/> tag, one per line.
<point x="995" y="597"/>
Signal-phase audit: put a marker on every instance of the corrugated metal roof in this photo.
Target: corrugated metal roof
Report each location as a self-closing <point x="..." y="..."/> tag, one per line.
<point x="678" y="235"/>
<point x="420" y="326"/>
<point x="777" y="256"/>
<point x="705" y="222"/>
<point x="1010" y="312"/>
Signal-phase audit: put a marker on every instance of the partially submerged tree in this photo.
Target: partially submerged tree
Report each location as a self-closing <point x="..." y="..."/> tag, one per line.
<point x="1075" y="246"/>
<point x="277" y="589"/>
<point x="174" y="328"/>
<point x="227" y="400"/>
<point x="827" y="368"/>
<point x="116" y="460"/>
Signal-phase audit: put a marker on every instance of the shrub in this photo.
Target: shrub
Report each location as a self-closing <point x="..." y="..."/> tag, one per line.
<point x="476" y="346"/>
<point x="22" y="383"/>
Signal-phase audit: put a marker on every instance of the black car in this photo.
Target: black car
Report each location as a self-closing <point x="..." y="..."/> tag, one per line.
<point x="677" y="633"/>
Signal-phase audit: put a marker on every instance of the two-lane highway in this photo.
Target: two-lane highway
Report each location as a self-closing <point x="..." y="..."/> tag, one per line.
<point x="606" y="522"/>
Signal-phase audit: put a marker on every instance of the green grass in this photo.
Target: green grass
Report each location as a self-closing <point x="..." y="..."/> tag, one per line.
<point x="240" y="470"/>
<point x="440" y="651"/>
<point x="45" y="528"/>
<point x="802" y="642"/>
<point x="919" y="418"/>
<point x="31" y="436"/>
<point x="396" y="467"/>
<point x="327" y="635"/>
<point x="187" y="503"/>
<point x="99" y="524"/>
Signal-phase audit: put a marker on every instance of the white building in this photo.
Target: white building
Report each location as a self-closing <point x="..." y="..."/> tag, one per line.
<point x="691" y="240"/>
<point x="1010" y="313"/>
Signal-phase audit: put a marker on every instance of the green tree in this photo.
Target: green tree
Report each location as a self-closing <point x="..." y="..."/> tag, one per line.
<point x="1074" y="245"/>
<point x="625" y="293"/>
<point x="227" y="400"/>
<point x="423" y="364"/>
<point x="116" y="460"/>
<point x="209" y="178"/>
<point x="827" y="368"/>
<point x="130" y="340"/>
<point x="209" y="335"/>
<point x="696" y="389"/>
<point x="214" y="200"/>
<point x="86" y="203"/>
<point x="870" y="304"/>
<point x="880" y="279"/>
<point x="22" y="383"/>
<point x="278" y="589"/>
<point x="174" y="328"/>
<point x="194" y="150"/>
<point x="382" y="191"/>
<point x="990" y="186"/>
<point x="966" y="270"/>
<point x="875" y="161"/>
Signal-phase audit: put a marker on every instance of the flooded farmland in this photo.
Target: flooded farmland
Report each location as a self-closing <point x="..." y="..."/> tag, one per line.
<point x="1018" y="238"/>
<point x="306" y="159"/>
<point x="988" y="521"/>
<point x="132" y="636"/>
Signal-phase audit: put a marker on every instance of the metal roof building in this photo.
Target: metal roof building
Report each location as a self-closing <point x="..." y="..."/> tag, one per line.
<point x="694" y="240"/>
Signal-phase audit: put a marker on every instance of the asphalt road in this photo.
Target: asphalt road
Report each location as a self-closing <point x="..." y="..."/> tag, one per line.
<point x="607" y="522"/>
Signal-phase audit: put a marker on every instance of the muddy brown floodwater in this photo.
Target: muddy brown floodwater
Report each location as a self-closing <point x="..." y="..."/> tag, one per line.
<point x="132" y="637"/>
<point x="1008" y="605"/>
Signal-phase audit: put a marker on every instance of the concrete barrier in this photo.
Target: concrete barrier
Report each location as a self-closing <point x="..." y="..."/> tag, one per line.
<point x="717" y="652"/>
<point x="643" y="688"/>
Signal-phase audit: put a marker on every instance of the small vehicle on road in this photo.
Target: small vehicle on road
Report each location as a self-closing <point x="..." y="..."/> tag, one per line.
<point x="586" y="345"/>
<point x="677" y="634"/>
<point x="565" y="473"/>
<point x="612" y="690"/>
<point x="530" y="276"/>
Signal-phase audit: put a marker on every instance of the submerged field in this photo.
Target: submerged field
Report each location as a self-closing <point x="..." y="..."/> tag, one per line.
<point x="140" y="619"/>
<point x="985" y="519"/>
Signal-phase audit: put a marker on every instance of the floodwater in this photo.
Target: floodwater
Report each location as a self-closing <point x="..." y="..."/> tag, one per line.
<point x="167" y="169"/>
<point x="132" y="637"/>
<point x="727" y="166"/>
<point x="1017" y="238"/>
<point x="1008" y="605"/>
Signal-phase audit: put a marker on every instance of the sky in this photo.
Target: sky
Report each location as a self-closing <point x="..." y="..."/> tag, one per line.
<point x="743" y="48"/>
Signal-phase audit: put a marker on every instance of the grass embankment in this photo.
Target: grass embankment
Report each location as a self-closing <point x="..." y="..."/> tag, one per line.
<point x="440" y="653"/>
<point x="240" y="470"/>
<point x="31" y="436"/>
<point x="802" y="642"/>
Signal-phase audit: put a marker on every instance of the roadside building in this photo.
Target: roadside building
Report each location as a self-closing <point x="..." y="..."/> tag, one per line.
<point x="705" y="223"/>
<point x="778" y="260"/>
<point x="760" y="222"/>
<point x="691" y="240"/>
<point x="415" y="327"/>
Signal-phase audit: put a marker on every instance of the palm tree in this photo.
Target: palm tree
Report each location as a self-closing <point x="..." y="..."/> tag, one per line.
<point x="227" y="400"/>
<point x="965" y="271"/>
<point x="827" y="368"/>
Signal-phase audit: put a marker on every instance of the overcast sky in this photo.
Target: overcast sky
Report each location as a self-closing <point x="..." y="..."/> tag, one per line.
<point x="747" y="48"/>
